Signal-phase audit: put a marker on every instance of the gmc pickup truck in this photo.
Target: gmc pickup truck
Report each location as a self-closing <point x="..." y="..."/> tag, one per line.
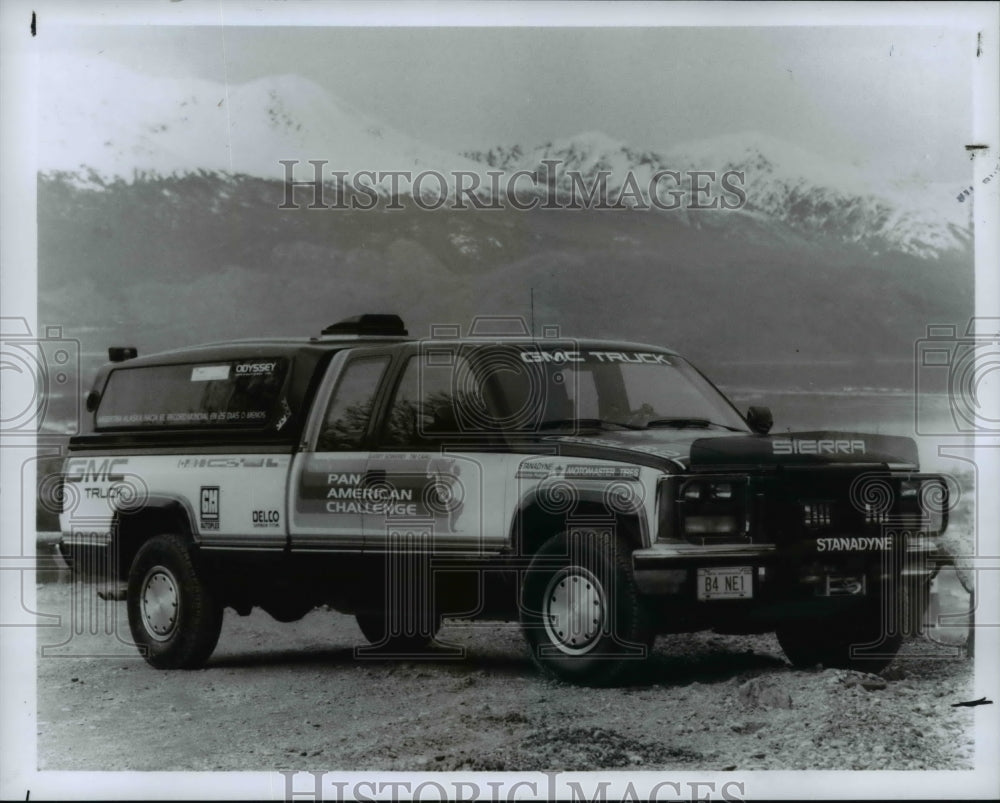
<point x="599" y="493"/>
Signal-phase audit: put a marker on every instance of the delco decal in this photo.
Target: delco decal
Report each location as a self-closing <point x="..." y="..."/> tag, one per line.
<point x="858" y="544"/>
<point x="798" y="446"/>
<point x="255" y="368"/>
<point x="265" y="518"/>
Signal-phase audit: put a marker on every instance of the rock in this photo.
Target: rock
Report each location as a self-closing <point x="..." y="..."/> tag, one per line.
<point x="745" y="728"/>
<point x="864" y="680"/>
<point x="764" y="693"/>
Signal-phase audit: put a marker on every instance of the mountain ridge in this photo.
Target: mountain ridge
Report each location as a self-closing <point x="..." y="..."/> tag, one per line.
<point x="165" y="127"/>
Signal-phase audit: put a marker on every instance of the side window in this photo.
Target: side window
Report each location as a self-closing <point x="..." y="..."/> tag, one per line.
<point x="351" y="406"/>
<point x="437" y="397"/>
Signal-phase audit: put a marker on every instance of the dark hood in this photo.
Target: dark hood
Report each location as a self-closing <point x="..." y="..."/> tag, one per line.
<point x="671" y="450"/>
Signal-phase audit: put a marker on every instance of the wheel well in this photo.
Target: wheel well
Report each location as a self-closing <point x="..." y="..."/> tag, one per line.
<point x="534" y="525"/>
<point x="133" y="529"/>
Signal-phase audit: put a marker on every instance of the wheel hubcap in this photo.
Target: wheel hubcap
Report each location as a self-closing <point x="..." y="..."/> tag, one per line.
<point x="575" y="610"/>
<point x="159" y="603"/>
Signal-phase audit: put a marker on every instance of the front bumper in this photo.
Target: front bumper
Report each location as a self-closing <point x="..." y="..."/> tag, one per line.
<point x="670" y="568"/>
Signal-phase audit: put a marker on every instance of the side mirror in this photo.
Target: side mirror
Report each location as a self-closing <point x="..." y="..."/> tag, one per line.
<point x="760" y="420"/>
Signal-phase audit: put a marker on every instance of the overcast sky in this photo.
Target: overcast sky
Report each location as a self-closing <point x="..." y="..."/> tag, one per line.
<point x="894" y="100"/>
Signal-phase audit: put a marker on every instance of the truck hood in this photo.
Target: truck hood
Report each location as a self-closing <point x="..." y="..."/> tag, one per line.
<point x="724" y="451"/>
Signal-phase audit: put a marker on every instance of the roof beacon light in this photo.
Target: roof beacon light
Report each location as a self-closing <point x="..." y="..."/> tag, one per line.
<point x="369" y="324"/>
<point x="122" y="353"/>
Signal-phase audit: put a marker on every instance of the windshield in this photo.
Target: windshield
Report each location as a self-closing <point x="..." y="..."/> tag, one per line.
<point x="576" y="388"/>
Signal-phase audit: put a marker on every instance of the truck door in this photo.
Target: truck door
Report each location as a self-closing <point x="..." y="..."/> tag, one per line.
<point x="327" y="493"/>
<point x="438" y="481"/>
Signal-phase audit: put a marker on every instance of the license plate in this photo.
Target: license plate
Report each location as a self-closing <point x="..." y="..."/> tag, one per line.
<point x="725" y="582"/>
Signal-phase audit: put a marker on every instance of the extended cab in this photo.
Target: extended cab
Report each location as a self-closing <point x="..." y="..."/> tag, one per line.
<point x="598" y="492"/>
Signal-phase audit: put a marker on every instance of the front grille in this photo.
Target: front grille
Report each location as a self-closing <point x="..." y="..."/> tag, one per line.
<point x="791" y="506"/>
<point x="817" y="515"/>
<point x="813" y="504"/>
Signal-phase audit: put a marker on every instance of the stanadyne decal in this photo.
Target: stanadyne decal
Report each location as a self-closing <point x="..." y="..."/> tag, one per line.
<point x="808" y="446"/>
<point x="557" y="356"/>
<point x="858" y="544"/>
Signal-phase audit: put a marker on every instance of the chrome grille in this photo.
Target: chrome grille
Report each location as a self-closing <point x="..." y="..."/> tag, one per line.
<point x="816" y="515"/>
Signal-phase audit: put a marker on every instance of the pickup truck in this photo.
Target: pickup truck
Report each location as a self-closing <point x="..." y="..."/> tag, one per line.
<point x="598" y="492"/>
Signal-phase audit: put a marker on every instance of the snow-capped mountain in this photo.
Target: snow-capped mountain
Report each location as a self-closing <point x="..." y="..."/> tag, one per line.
<point x="784" y="184"/>
<point x="103" y="121"/>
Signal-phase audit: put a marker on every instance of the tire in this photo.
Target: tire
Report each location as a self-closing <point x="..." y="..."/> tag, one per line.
<point x="400" y="635"/>
<point x="581" y="612"/>
<point x="174" y="617"/>
<point x="831" y="642"/>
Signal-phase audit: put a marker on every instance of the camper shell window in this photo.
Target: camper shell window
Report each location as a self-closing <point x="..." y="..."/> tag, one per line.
<point x="243" y="393"/>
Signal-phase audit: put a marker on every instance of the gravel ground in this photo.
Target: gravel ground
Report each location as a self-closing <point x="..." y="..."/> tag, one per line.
<point x="296" y="696"/>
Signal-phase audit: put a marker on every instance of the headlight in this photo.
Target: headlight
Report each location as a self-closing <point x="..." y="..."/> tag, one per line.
<point x="924" y="501"/>
<point x="712" y="507"/>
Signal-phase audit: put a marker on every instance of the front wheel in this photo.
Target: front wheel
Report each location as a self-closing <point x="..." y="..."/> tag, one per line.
<point x="581" y="612"/>
<point x="866" y="640"/>
<point x="174" y="617"/>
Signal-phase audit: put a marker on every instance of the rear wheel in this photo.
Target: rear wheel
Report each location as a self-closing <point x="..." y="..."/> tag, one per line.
<point x="581" y="612"/>
<point x="866" y="640"/>
<point x="173" y="615"/>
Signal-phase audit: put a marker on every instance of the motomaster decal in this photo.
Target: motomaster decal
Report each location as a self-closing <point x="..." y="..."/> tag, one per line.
<point x="797" y="446"/>
<point x="209" y="517"/>
<point x="859" y="544"/>
<point x="585" y="472"/>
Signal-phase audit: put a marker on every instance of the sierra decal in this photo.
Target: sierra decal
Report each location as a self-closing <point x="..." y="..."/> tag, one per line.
<point x="799" y="446"/>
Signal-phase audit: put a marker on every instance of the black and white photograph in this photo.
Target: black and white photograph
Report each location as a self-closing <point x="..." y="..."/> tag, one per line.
<point x="499" y="401"/>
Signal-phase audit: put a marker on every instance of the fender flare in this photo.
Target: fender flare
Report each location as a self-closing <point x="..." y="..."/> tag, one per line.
<point x="540" y="499"/>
